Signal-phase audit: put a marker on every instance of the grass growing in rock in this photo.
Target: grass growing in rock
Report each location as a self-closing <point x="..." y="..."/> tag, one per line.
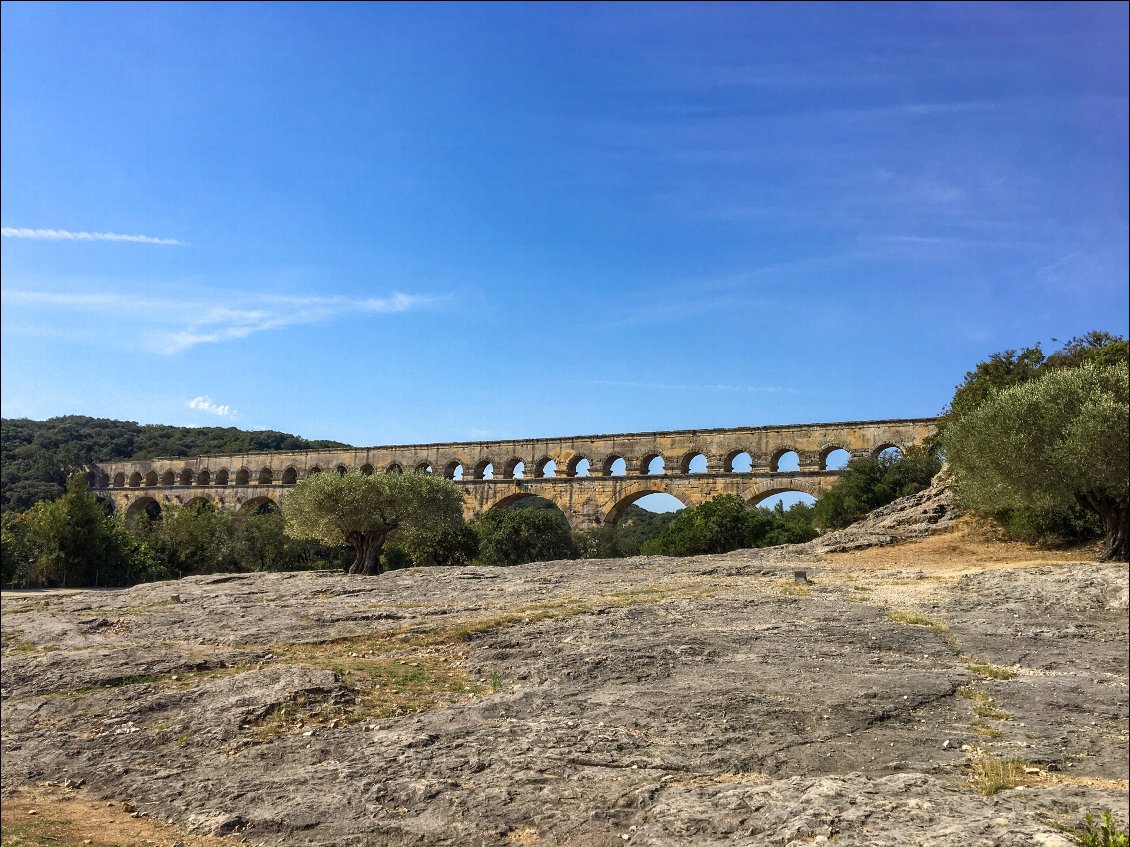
<point x="915" y="619"/>
<point x="990" y="775"/>
<point x="983" y="706"/>
<point x="378" y="688"/>
<point x="991" y="671"/>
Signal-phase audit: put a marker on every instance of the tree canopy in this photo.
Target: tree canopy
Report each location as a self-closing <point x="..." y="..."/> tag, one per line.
<point x="727" y="523"/>
<point x="1049" y="443"/>
<point x="518" y="535"/>
<point x="368" y="511"/>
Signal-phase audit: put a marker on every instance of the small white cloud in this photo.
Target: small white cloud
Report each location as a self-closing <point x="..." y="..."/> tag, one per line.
<point x="203" y="403"/>
<point x="65" y="235"/>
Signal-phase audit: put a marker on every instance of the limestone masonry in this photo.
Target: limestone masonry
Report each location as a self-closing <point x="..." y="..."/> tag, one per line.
<point x="580" y="473"/>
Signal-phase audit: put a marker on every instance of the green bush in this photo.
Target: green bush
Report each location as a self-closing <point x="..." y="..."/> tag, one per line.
<point x="719" y="525"/>
<point x="517" y="536"/>
<point x="867" y="484"/>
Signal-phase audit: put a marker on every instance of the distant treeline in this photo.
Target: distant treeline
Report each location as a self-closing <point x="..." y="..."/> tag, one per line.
<point x="36" y="457"/>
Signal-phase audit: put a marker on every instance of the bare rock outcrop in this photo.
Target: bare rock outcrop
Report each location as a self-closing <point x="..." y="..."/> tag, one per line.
<point x="703" y="701"/>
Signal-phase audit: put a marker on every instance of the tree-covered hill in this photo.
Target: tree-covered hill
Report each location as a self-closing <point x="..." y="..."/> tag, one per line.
<point x="36" y="456"/>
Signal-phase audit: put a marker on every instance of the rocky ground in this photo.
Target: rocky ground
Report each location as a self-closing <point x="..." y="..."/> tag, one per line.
<point x="880" y="700"/>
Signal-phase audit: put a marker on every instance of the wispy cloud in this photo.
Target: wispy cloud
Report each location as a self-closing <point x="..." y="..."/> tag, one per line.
<point x="703" y="386"/>
<point x="174" y="325"/>
<point x="66" y="235"/>
<point x="204" y="403"/>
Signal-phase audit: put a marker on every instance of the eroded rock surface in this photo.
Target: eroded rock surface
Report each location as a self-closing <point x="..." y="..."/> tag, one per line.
<point x="711" y="700"/>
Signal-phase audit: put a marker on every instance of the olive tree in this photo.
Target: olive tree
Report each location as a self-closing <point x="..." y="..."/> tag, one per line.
<point x="368" y="511"/>
<point x="1047" y="443"/>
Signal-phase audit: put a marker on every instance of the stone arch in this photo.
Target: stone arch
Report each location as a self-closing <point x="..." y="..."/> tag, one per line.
<point x="542" y="469"/>
<point x="453" y="470"/>
<point x="186" y="476"/>
<point x="779" y="454"/>
<point x="423" y="467"/>
<point x="341" y="470"/>
<point x="515" y="468"/>
<point x="289" y="476"/>
<point x="143" y="507"/>
<point x="243" y="477"/>
<point x="512" y="497"/>
<point x="367" y="469"/>
<point x="200" y="502"/>
<point x="614" y="513"/>
<point x="646" y="464"/>
<point x="394" y="468"/>
<point x="688" y="458"/>
<point x="120" y="479"/>
<point x="168" y="479"/>
<point x="573" y="466"/>
<point x="737" y="459"/>
<point x="827" y="451"/>
<point x="885" y="446"/>
<point x="313" y="470"/>
<point x="768" y="489"/>
<point x="135" y="480"/>
<point x="484" y="467"/>
<point x="257" y="506"/>
<point x="606" y="467"/>
<point x="222" y="476"/>
<point x="204" y="477"/>
<point x="151" y="479"/>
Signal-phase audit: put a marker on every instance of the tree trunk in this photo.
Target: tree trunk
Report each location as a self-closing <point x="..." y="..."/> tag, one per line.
<point x="368" y="546"/>
<point x="1115" y="516"/>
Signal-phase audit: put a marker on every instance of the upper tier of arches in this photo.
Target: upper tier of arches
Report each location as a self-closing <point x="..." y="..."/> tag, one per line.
<point x="785" y="459"/>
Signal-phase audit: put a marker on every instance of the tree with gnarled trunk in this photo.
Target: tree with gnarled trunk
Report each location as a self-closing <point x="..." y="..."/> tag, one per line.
<point x="367" y="512"/>
<point x="1057" y="439"/>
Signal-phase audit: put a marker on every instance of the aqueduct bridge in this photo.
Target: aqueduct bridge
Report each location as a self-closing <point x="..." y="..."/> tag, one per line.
<point x="591" y="478"/>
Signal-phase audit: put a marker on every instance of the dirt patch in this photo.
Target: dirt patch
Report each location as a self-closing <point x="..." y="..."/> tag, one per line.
<point x="38" y="817"/>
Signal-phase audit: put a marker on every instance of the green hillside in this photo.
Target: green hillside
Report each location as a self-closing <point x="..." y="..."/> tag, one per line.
<point x="36" y="456"/>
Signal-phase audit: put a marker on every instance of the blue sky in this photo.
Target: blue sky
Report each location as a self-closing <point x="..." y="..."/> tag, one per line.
<point x="396" y="223"/>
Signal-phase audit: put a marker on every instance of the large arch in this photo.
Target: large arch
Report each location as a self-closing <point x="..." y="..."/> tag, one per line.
<point x="257" y="506"/>
<point x="769" y="489"/>
<point x="143" y="507"/>
<point x="613" y="514"/>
